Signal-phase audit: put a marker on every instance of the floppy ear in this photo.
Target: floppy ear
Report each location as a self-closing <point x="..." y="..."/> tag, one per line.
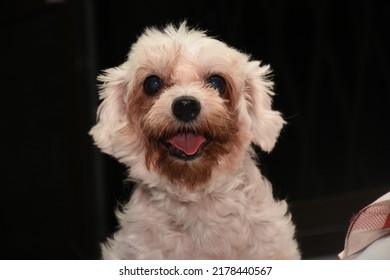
<point x="265" y="122"/>
<point x="111" y="114"/>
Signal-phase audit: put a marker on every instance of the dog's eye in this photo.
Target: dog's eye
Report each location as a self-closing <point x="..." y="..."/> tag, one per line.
<point x="217" y="82"/>
<point x="152" y="85"/>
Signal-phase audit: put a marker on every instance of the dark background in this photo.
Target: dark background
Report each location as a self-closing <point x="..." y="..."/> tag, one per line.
<point x="332" y="74"/>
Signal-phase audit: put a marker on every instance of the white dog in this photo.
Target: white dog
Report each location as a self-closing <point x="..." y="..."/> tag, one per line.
<point x="181" y="113"/>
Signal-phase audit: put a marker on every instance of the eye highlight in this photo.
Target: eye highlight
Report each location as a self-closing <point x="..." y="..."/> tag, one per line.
<point x="217" y="82"/>
<point x="152" y="85"/>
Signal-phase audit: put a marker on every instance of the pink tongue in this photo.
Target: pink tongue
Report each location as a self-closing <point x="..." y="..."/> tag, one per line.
<point x="187" y="142"/>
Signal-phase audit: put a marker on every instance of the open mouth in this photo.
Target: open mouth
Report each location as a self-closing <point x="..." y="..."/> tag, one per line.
<point x="186" y="145"/>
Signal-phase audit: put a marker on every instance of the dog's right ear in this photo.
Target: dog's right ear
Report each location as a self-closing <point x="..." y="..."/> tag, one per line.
<point x="111" y="114"/>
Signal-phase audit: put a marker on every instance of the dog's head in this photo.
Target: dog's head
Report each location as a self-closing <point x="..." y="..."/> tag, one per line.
<point x="183" y="107"/>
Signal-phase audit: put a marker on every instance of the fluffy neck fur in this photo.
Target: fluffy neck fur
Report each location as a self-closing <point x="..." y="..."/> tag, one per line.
<point x="221" y="184"/>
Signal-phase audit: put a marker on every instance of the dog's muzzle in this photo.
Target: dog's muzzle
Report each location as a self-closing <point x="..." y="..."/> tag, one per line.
<point x="188" y="144"/>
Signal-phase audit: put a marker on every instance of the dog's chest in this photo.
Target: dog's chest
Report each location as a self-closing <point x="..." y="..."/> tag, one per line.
<point x="207" y="230"/>
<point x="215" y="227"/>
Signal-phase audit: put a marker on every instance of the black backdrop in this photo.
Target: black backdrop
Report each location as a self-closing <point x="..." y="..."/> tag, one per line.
<point x="332" y="73"/>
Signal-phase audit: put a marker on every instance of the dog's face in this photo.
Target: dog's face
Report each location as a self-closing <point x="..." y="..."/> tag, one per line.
<point x="184" y="107"/>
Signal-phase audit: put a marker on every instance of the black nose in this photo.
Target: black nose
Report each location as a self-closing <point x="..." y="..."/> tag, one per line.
<point x="186" y="108"/>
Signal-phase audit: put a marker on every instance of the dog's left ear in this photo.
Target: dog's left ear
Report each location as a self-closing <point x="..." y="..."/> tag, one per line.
<point x="265" y="122"/>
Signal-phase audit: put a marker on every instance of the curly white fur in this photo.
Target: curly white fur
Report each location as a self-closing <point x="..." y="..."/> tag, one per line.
<point x="217" y="205"/>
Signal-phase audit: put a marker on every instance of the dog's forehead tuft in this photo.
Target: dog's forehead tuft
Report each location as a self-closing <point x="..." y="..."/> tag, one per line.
<point x="182" y="34"/>
<point x="182" y="37"/>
